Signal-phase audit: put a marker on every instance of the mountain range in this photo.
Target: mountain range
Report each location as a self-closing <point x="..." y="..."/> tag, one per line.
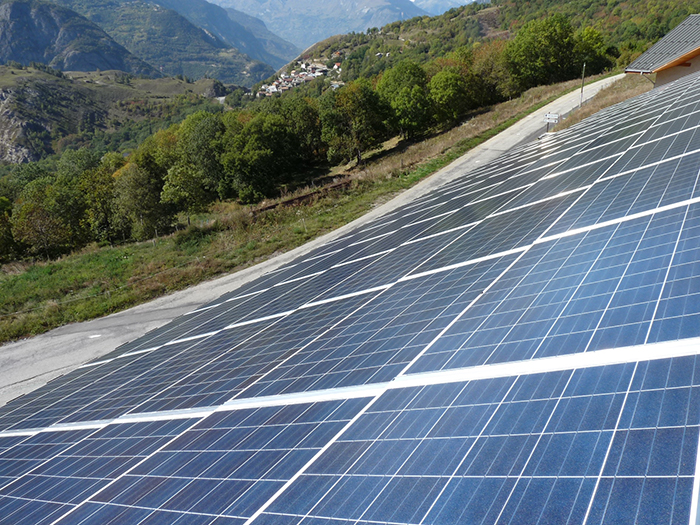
<point x="169" y="41"/>
<point x="305" y="22"/>
<point x="32" y="31"/>
<point x="193" y="38"/>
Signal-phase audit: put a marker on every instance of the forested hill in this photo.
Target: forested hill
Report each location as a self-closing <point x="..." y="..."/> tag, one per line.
<point x="33" y="31"/>
<point x="420" y="39"/>
<point x="629" y="24"/>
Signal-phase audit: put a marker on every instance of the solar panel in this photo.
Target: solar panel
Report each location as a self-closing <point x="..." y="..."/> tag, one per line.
<point x="519" y="345"/>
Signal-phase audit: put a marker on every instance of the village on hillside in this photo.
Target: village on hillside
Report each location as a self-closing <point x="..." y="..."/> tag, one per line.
<point x="303" y="73"/>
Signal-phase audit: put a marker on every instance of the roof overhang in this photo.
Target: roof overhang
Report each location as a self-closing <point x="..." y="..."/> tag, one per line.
<point x="680" y="60"/>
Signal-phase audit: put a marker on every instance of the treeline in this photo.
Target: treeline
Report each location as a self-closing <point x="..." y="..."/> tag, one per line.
<point x="252" y="153"/>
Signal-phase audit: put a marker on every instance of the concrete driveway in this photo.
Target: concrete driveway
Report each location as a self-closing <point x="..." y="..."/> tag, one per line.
<point x="28" y="364"/>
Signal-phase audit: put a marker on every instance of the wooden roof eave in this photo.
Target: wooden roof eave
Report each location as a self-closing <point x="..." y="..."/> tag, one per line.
<point x="680" y="60"/>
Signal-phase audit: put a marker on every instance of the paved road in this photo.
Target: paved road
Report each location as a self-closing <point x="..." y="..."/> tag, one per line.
<point x="29" y="364"/>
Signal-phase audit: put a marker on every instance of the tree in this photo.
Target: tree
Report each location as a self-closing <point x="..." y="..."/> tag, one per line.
<point x="491" y="81"/>
<point x="542" y="52"/>
<point x="9" y="249"/>
<point x="199" y="147"/>
<point x="450" y="95"/>
<point x="591" y="48"/>
<point x="259" y="157"/>
<point x="184" y="189"/>
<point x="137" y="205"/>
<point x="73" y="163"/>
<point x="39" y="222"/>
<point x="97" y="186"/>
<point x="352" y="120"/>
<point x="302" y="117"/>
<point x="405" y="88"/>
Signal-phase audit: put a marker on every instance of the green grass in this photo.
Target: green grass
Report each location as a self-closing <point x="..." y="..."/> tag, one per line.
<point x="99" y="281"/>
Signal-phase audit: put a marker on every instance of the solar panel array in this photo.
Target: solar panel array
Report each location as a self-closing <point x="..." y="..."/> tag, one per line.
<point x="519" y="346"/>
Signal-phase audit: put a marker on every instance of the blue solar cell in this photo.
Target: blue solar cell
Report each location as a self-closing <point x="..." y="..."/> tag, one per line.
<point x="381" y="338"/>
<point x="532" y="464"/>
<point x="197" y="474"/>
<point x="678" y="312"/>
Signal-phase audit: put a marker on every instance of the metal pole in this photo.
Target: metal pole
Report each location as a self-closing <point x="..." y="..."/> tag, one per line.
<point x="583" y="75"/>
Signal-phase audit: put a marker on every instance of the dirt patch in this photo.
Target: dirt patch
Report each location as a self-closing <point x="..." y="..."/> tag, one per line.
<point x="490" y="23"/>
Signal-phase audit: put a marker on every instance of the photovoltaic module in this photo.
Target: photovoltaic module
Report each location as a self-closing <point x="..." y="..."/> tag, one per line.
<point x="521" y="345"/>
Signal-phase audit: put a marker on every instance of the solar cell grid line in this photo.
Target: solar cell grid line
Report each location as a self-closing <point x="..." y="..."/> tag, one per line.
<point x="391" y="267"/>
<point x="156" y="373"/>
<point x="62" y="405"/>
<point x="23" y="454"/>
<point x="557" y="184"/>
<point x="687" y="108"/>
<point x="671" y="126"/>
<point x="500" y="233"/>
<point x="202" y="474"/>
<point x="657" y="413"/>
<point x="12" y="411"/>
<point x="598" y="150"/>
<point x="21" y="502"/>
<point x="642" y="155"/>
<point x="603" y="295"/>
<point x="465" y="217"/>
<point x="377" y="341"/>
<point x="89" y="462"/>
<point x="285" y="296"/>
<point x="144" y="430"/>
<point x="686" y="139"/>
<point x="345" y="460"/>
<point x="204" y="322"/>
<point x="469" y="340"/>
<point x="405" y="233"/>
<point x="678" y="308"/>
<point x="56" y="399"/>
<point x="636" y="191"/>
<point x="536" y="459"/>
<point x="504" y="189"/>
<point x="625" y="317"/>
<point x="224" y="378"/>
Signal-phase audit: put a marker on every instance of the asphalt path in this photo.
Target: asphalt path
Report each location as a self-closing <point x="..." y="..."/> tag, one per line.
<point x="28" y="364"/>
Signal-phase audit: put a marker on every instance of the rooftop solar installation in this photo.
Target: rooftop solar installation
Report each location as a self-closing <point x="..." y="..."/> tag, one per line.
<point x="521" y="345"/>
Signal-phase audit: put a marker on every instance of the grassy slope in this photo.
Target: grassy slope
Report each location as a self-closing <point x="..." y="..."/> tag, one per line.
<point x="98" y="281"/>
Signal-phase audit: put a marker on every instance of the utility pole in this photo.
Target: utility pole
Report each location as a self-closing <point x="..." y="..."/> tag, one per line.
<point x="583" y="75"/>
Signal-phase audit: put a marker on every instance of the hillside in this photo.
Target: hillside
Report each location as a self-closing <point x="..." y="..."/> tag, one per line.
<point x="169" y="42"/>
<point x="219" y="22"/>
<point x="43" y="112"/>
<point x="33" y="31"/>
<point x="630" y="24"/>
<point x="273" y="44"/>
<point x="305" y="22"/>
<point x="420" y="39"/>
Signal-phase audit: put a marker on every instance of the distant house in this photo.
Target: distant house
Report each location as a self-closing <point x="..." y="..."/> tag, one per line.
<point x="674" y="56"/>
